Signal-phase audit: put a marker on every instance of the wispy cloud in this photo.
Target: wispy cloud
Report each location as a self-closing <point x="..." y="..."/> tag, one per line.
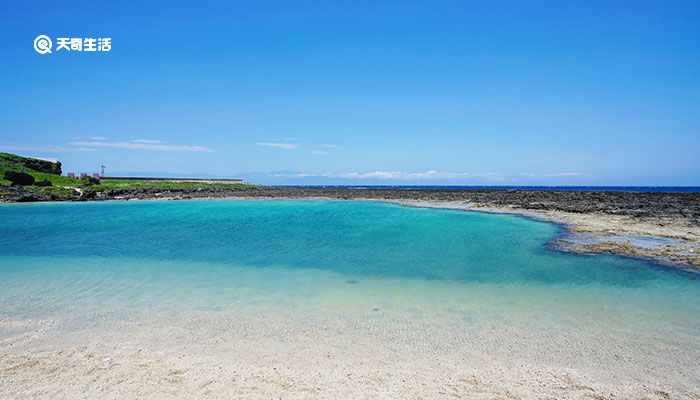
<point x="148" y="141"/>
<point x="93" y="143"/>
<point x="89" y="138"/>
<point x="320" y="153"/>
<point x="44" y="148"/>
<point x="409" y="176"/>
<point x="551" y="175"/>
<point x="434" y="175"/>
<point x="286" y="146"/>
<point x="140" y="144"/>
<point x="328" y="146"/>
<point x="431" y="174"/>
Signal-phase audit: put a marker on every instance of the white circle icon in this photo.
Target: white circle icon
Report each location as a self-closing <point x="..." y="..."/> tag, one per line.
<point x="42" y="44"/>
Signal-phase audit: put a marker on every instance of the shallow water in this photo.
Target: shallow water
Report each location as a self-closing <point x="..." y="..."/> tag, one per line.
<point x="409" y="276"/>
<point x="213" y="252"/>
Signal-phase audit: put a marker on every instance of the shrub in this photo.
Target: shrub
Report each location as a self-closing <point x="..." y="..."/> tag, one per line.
<point x="19" y="178"/>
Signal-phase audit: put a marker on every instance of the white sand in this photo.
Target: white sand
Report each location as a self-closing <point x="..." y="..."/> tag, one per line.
<point x="262" y="353"/>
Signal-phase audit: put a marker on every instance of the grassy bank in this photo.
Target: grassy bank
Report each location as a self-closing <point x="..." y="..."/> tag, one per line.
<point x="64" y="185"/>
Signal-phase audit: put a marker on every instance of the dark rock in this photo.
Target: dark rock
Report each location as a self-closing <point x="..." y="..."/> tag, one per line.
<point x="27" y="199"/>
<point x="658" y="206"/>
<point x="90" y="180"/>
<point x="43" y="183"/>
<point x="87" y="195"/>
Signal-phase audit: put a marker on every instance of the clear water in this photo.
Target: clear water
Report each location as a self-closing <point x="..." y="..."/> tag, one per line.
<point x="331" y="257"/>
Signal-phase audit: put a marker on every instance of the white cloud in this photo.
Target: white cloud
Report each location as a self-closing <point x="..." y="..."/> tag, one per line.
<point x="140" y="144"/>
<point x="90" y="138"/>
<point x="94" y="143"/>
<point x="552" y="175"/>
<point x="430" y="175"/>
<point x="148" y="141"/>
<point x="320" y="153"/>
<point x="401" y="175"/>
<point x="286" y="146"/>
<point x="45" y="148"/>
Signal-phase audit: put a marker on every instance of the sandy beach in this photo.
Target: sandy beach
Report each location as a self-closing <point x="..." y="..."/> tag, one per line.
<point x="267" y="354"/>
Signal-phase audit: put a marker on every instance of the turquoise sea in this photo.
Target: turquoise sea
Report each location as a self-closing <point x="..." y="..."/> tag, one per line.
<point x="135" y="250"/>
<point x="394" y="278"/>
<point x="218" y="254"/>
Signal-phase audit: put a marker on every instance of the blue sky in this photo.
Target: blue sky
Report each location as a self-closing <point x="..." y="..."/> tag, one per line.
<point x="493" y="92"/>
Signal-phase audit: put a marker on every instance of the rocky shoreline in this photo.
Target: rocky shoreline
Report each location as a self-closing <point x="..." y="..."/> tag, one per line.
<point x="661" y="226"/>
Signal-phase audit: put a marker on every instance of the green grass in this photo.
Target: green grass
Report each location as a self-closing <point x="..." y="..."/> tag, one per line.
<point x="63" y="184"/>
<point x="9" y="162"/>
<point x="56" y="180"/>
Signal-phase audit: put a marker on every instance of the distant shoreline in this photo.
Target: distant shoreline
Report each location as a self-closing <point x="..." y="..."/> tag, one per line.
<point x="641" y="189"/>
<point x="661" y="226"/>
<point x="666" y="244"/>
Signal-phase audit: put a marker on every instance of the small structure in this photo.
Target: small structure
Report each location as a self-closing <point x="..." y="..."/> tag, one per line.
<point x="102" y="170"/>
<point x="83" y="175"/>
<point x="95" y="175"/>
<point x="71" y="175"/>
